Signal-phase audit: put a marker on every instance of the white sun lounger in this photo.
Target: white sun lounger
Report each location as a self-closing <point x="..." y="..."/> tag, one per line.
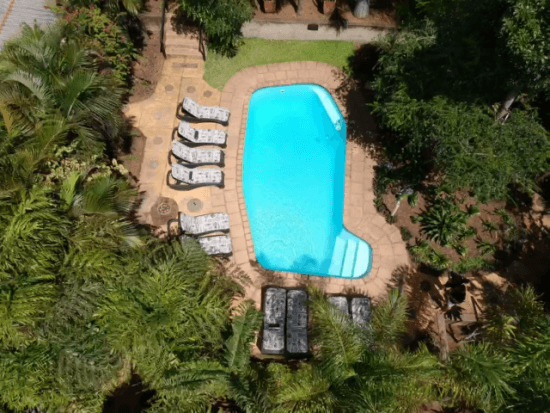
<point x="198" y="113"/>
<point x="197" y="156"/>
<point x="360" y="311"/>
<point x="200" y="136"/>
<point x="273" y="340"/>
<point x="340" y="302"/>
<point x="202" y="224"/>
<point x="215" y="245"/>
<point x="296" y="322"/>
<point x="188" y="178"/>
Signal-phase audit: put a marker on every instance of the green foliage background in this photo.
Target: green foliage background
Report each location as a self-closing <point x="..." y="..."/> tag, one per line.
<point x="437" y="88"/>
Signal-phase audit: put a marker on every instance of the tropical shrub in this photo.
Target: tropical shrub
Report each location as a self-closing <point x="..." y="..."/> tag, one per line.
<point x="425" y="254"/>
<point x="462" y="250"/>
<point x="486" y="248"/>
<point x="473" y="210"/>
<point x="444" y="222"/>
<point x="405" y="234"/>
<point x="50" y="81"/>
<point x="221" y="19"/>
<point x="116" y="50"/>
<point x="508" y="220"/>
<point x="413" y="199"/>
<point x="468" y="264"/>
<point x="490" y="226"/>
<point x="111" y="7"/>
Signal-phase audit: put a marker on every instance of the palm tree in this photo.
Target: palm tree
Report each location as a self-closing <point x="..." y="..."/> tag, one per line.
<point x="24" y="154"/>
<point x="356" y="369"/>
<point x="33" y="237"/>
<point x="46" y="74"/>
<point x="478" y="375"/>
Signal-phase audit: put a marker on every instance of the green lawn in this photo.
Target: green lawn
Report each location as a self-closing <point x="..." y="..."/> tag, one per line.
<point x="255" y="52"/>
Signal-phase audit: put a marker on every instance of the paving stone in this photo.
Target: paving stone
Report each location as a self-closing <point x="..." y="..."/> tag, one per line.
<point x="233" y="207"/>
<point x="240" y="257"/>
<point x="230" y="183"/>
<point x="399" y="248"/>
<point x="375" y="233"/>
<point x="356" y="199"/>
<point x="230" y="195"/>
<point x="378" y="221"/>
<point x="239" y="243"/>
<point x="237" y="230"/>
<point x="235" y="219"/>
<point x="218" y="200"/>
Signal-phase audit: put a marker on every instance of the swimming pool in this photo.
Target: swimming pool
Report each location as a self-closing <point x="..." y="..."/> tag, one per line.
<point x="293" y="183"/>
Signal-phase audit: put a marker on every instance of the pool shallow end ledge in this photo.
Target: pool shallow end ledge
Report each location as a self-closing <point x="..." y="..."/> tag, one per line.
<point x="389" y="253"/>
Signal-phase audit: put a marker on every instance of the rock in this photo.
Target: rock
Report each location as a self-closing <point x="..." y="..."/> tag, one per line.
<point x="538" y="203"/>
<point x="496" y="280"/>
<point x="536" y="216"/>
<point x="546" y="221"/>
<point x="527" y="221"/>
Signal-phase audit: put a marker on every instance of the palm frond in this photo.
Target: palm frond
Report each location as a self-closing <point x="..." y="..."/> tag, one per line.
<point x="341" y="343"/>
<point x="238" y="346"/>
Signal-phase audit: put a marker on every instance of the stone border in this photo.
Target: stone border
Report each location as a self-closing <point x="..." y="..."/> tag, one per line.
<point x="360" y="216"/>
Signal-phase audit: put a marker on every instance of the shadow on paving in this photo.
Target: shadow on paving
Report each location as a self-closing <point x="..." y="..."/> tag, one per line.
<point x="355" y="91"/>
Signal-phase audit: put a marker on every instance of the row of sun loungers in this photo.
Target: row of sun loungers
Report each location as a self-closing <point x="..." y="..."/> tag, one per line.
<point x="187" y="154"/>
<point x="187" y="176"/>
<point x="281" y="305"/>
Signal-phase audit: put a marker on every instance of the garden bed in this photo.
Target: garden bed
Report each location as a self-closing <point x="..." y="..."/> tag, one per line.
<point x="493" y="230"/>
<point x="147" y="69"/>
<point x="514" y="241"/>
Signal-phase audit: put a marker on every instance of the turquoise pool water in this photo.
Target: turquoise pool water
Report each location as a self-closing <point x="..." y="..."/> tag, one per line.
<point x="293" y="182"/>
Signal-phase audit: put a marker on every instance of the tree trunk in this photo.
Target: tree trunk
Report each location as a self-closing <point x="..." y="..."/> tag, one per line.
<point x="300" y="10"/>
<point x="505" y="106"/>
<point x="257" y="2"/>
<point x="509" y="100"/>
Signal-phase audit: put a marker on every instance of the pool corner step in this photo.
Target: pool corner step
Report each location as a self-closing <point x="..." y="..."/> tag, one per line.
<point x="349" y="260"/>
<point x="337" y="258"/>
<point x="362" y="260"/>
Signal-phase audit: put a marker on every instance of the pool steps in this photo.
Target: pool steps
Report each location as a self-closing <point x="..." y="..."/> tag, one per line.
<point x="360" y="268"/>
<point x="349" y="260"/>
<point x="337" y="256"/>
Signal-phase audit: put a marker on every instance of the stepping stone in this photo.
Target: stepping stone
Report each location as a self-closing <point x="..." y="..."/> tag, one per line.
<point x="185" y="65"/>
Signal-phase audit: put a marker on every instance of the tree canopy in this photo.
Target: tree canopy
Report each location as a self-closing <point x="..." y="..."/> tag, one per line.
<point x="438" y="86"/>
